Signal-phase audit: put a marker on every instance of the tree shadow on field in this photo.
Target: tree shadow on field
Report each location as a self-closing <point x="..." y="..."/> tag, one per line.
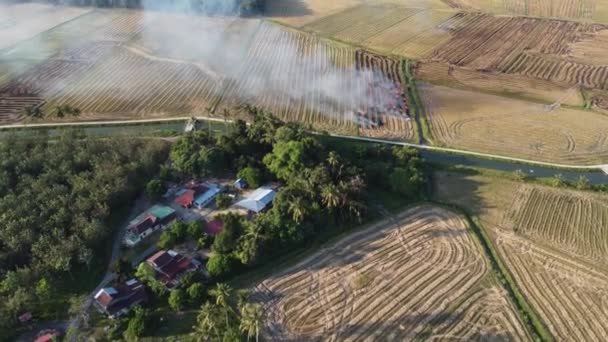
<point x="460" y="189"/>
<point x="447" y="233"/>
<point x="399" y="329"/>
<point x="286" y="8"/>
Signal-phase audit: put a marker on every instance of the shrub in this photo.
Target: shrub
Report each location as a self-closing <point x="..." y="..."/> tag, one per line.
<point x="219" y="265"/>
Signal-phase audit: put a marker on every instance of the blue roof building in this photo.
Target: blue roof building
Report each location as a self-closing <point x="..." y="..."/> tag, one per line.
<point x="240" y="183"/>
<point x="206" y="197"/>
<point x="258" y="200"/>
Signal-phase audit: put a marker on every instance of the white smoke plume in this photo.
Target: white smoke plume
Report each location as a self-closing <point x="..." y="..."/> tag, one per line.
<point x="231" y="48"/>
<point x="259" y="60"/>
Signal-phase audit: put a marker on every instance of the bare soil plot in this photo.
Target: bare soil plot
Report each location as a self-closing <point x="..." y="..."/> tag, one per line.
<point x="599" y="101"/>
<point x="592" y="49"/>
<point x="387" y="282"/>
<point x="571" y="221"/>
<point x="557" y="51"/>
<point x="515" y="128"/>
<point x="491" y="43"/>
<point x="511" y="85"/>
<point x="22" y="21"/>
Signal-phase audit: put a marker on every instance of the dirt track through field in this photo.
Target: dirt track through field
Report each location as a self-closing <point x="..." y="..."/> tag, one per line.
<point x="387" y="282"/>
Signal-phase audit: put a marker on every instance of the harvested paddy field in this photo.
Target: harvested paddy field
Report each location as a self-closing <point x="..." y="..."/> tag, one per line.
<point x="561" y="52"/>
<point x="130" y="67"/>
<point x="552" y="243"/>
<point x="570" y="9"/>
<point x="301" y="12"/>
<point x="19" y="22"/>
<point x="518" y="55"/>
<point x="515" y="128"/>
<point x="571" y="297"/>
<point x="367" y="95"/>
<point x="408" y="29"/>
<point x="418" y="275"/>
<point x="571" y="221"/>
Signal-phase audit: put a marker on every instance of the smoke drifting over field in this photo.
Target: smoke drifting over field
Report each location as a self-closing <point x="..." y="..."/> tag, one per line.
<point x="246" y="60"/>
<point x="225" y="47"/>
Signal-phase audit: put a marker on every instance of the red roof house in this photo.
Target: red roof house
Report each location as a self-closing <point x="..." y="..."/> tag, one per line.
<point x="148" y="222"/>
<point x="170" y="266"/>
<point x="186" y="198"/>
<point x="47" y="335"/>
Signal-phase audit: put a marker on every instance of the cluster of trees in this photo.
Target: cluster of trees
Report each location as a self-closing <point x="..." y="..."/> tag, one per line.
<point x="56" y="199"/>
<point x="60" y="111"/>
<point x="219" y="321"/>
<point x="321" y="187"/>
<point x="559" y="181"/>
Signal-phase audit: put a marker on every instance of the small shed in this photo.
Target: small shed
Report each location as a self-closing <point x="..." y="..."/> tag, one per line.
<point x="240" y="184"/>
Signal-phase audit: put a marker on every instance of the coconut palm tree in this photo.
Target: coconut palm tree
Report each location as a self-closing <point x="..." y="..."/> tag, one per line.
<point x="335" y="164"/>
<point x="251" y="319"/>
<point x="206" y="323"/>
<point x="330" y="196"/>
<point x="222" y="292"/>
<point x="297" y="208"/>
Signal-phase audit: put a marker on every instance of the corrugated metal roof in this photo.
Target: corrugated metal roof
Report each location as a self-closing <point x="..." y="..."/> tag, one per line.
<point x="160" y="211"/>
<point x="258" y="200"/>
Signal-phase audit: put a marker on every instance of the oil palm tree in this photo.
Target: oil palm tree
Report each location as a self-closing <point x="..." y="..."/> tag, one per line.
<point x="251" y="319"/>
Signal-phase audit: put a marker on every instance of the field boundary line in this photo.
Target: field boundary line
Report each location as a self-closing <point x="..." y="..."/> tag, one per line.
<point x="530" y="318"/>
<point x="596" y="167"/>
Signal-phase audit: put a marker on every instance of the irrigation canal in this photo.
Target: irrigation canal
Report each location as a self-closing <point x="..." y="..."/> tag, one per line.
<point x="160" y="128"/>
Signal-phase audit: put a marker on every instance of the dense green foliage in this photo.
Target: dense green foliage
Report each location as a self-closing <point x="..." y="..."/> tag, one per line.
<point x="321" y="188"/>
<point x="56" y="201"/>
<point x="219" y="321"/>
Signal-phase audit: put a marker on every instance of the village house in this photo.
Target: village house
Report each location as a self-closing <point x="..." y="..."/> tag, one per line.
<point x="118" y="300"/>
<point x="197" y="195"/>
<point x="155" y="218"/>
<point x="258" y="201"/>
<point x="171" y="266"/>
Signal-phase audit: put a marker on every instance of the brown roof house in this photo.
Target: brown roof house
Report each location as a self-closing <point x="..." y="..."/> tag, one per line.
<point x="170" y="266"/>
<point x="118" y="300"/>
<point x="157" y="217"/>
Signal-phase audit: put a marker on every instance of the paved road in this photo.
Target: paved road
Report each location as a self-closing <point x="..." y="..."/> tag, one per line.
<point x="600" y="167"/>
